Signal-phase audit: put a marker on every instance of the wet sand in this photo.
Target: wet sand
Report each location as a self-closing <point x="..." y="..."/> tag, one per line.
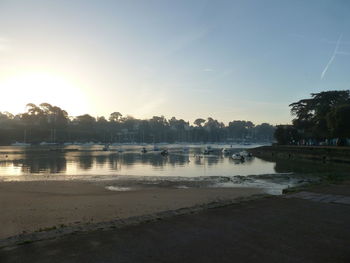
<point x="38" y="205"/>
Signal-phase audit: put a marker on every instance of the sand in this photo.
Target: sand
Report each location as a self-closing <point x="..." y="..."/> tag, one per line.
<point x="26" y="207"/>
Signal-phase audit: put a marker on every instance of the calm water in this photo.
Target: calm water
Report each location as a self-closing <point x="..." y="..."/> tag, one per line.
<point x="131" y="168"/>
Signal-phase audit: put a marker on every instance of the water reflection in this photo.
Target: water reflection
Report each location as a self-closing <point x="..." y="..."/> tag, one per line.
<point x="30" y="163"/>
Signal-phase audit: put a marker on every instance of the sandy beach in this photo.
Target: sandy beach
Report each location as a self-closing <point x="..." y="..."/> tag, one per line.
<point x="38" y="205"/>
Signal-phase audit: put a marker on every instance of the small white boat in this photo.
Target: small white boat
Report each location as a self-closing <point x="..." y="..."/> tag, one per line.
<point x="208" y="150"/>
<point x="237" y="156"/>
<point x="20" y="144"/>
<point x="88" y="144"/>
<point x="24" y="140"/>
<point x="47" y="143"/>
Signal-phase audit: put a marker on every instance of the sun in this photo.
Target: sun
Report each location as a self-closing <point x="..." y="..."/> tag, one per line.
<point x="37" y="87"/>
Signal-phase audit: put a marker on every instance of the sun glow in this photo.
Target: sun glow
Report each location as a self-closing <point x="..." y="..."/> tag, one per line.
<point x="38" y="87"/>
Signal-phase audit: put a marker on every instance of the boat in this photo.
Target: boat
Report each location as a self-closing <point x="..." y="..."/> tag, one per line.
<point x="226" y="151"/>
<point x="208" y="150"/>
<point x="63" y="150"/>
<point x="47" y="143"/>
<point x="237" y="156"/>
<point x="88" y="144"/>
<point x="106" y="148"/>
<point x="20" y="144"/>
<point x="156" y="148"/>
<point x="245" y="154"/>
<point x="24" y="140"/>
<point x="185" y="149"/>
<point x="164" y="152"/>
<point x="143" y="150"/>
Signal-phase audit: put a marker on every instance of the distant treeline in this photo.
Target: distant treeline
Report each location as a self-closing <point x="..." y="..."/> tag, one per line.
<point x="323" y="119"/>
<point x="49" y="123"/>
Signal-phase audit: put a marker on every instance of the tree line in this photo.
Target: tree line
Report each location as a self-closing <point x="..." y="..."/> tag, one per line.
<point x="49" y="123"/>
<point x="322" y="119"/>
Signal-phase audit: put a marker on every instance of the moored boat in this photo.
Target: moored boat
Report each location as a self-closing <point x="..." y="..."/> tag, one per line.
<point x="143" y="150"/>
<point x="185" y="149"/>
<point x="20" y="144"/>
<point x="164" y="152"/>
<point x="105" y="148"/>
<point x="245" y="154"/>
<point x="156" y="148"/>
<point x="237" y="156"/>
<point x="226" y="151"/>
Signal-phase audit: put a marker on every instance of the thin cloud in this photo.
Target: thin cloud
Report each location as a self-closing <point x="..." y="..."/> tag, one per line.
<point x="332" y="57"/>
<point x="208" y="70"/>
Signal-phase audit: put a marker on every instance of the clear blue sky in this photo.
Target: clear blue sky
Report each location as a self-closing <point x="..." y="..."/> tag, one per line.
<point x="230" y="60"/>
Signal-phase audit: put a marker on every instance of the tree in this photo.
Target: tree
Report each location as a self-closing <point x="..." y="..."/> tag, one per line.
<point x="48" y="122"/>
<point x="239" y="129"/>
<point x="115" y="116"/>
<point x="286" y="134"/>
<point x="198" y="122"/>
<point x="311" y="114"/>
<point x="338" y="121"/>
<point x="264" y="131"/>
<point x="86" y="120"/>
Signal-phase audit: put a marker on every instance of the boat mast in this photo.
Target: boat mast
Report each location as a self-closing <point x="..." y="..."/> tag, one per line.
<point x="25" y="135"/>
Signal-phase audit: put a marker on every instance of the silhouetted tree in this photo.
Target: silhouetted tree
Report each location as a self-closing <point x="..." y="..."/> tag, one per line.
<point x="311" y="114"/>
<point x="48" y="122"/>
<point x="286" y="134"/>
<point x="199" y="122"/>
<point x="339" y="122"/>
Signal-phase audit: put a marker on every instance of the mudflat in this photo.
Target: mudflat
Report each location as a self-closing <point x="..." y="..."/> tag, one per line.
<point x="38" y="205"/>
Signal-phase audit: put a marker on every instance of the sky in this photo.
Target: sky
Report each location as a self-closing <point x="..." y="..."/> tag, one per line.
<point x="230" y="60"/>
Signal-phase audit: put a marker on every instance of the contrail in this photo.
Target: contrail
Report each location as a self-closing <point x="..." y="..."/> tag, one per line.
<point x="332" y="57"/>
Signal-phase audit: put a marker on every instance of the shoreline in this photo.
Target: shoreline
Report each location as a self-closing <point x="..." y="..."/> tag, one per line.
<point x="55" y="232"/>
<point x="61" y="207"/>
<point x="312" y="153"/>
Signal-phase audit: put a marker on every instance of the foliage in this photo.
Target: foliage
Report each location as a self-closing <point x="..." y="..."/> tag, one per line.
<point x="49" y="123"/>
<point x="286" y="134"/>
<point x="323" y="116"/>
<point x="338" y="121"/>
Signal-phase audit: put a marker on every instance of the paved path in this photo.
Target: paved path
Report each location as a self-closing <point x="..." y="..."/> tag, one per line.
<point x="305" y="227"/>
